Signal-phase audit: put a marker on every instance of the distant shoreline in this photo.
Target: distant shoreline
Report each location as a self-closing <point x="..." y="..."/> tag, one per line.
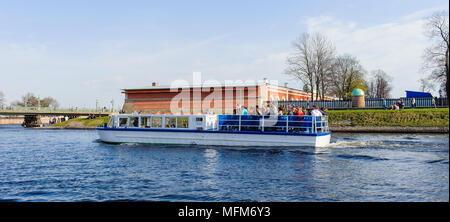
<point x="388" y="129"/>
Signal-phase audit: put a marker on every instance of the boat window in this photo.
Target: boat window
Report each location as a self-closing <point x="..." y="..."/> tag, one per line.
<point x="156" y="122"/>
<point x="134" y="122"/>
<point x="171" y="122"/>
<point x="199" y="119"/>
<point x="123" y="122"/>
<point x="145" y="122"/>
<point x="182" y="122"/>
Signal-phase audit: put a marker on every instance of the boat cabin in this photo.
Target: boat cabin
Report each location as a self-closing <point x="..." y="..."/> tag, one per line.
<point x="189" y="122"/>
<point x="282" y="124"/>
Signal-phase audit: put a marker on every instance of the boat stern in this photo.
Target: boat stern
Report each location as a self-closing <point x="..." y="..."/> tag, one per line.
<point x="323" y="140"/>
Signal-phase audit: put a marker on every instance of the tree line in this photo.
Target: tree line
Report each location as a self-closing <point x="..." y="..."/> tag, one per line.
<point x="315" y="62"/>
<point x="317" y="65"/>
<point x="31" y="100"/>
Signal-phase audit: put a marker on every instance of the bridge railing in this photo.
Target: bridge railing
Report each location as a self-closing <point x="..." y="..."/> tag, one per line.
<point x="51" y="109"/>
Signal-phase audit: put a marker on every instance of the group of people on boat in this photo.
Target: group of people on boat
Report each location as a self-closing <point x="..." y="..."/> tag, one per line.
<point x="269" y="109"/>
<point x="288" y="110"/>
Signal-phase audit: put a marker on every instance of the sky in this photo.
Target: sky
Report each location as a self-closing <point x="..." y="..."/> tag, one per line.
<point x="80" y="52"/>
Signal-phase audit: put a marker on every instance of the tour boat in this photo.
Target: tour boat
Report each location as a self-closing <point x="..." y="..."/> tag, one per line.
<point x="217" y="130"/>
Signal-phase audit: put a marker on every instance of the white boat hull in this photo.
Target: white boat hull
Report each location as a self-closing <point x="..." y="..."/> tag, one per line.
<point x="213" y="138"/>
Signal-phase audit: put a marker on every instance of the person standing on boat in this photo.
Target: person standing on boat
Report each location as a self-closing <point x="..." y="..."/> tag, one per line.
<point x="238" y="108"/>
<point x="413" y="102"/>
<point x="323" y="111"/>
<point x="280" y="111"/>
<point x="257" y="111"/>
<point x="301" y="111"/>
<point x="244" y="110"/>
<point x="316" y="111"/>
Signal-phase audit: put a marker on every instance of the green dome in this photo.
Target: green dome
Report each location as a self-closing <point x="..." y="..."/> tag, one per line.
<point x="357" y="92"/>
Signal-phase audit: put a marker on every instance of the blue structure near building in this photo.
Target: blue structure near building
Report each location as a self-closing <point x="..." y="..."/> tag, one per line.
<point x="415" y="94"/>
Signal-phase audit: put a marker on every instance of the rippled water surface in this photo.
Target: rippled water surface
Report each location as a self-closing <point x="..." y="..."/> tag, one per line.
<point x="71" y="165"/>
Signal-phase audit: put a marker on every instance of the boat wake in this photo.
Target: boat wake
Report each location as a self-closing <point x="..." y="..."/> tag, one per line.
<point x="348" y="144"/>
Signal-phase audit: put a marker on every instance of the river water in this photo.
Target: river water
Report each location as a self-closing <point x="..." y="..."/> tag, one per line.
<point x="72" y="165"/>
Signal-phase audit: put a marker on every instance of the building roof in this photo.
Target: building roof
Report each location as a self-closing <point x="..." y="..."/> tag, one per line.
<point x="208" y="86"/>
<point x="415" y="94"/>
<point x="190" y="86"/>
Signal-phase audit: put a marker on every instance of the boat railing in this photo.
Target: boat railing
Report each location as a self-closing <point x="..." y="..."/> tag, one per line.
<point x="289" y="124"/>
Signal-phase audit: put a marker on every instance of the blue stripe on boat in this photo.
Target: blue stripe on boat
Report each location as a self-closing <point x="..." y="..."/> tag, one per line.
<point x="211" y="131"/>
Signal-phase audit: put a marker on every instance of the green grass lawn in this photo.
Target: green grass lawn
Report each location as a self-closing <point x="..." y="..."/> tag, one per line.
<point x="407" y="117"/>
<point x="83" y="122"/>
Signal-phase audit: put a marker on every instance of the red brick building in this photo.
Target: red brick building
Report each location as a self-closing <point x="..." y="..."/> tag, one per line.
<point x="216" y="99"/>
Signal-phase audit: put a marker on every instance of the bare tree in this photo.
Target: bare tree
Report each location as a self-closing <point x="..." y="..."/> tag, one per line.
<point x="371" y="89"/>
<point x="323" y="51"/>
<point x="380" y="84"/>
<point x="301" y="62"/>
<point x="311" y="63"/>
<point x="49" y="102"/>
<point x="347" y="74"/>
<point x="436" y="57"/>
<point x="30" y="100"/>
<point x="426" y="85"/>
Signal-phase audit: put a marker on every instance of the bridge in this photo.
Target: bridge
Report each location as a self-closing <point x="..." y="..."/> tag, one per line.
<point x="36" y="116"/>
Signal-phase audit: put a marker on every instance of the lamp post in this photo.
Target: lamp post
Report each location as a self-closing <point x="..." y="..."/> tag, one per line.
<point x="112" y="105"/>
<point x="440" y="97"/>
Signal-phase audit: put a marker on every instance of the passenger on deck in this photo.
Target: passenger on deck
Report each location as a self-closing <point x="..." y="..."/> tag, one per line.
<point x="300" y="112"/>
<point x="323" y="111"/>
<point x="304" y="111"/>
<point x="280" y="111"/>
<point x="272" y="109"/>
<point x="244" y="111"/>
<point x="316" y="111"/>
<point x="258" y="111"/>
<point x="251" y="111"/>
<point x="290" y="111"/>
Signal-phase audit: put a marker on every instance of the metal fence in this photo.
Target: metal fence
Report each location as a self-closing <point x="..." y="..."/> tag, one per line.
<point x="374" y="103"/>
<point x="288" y="124"/>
